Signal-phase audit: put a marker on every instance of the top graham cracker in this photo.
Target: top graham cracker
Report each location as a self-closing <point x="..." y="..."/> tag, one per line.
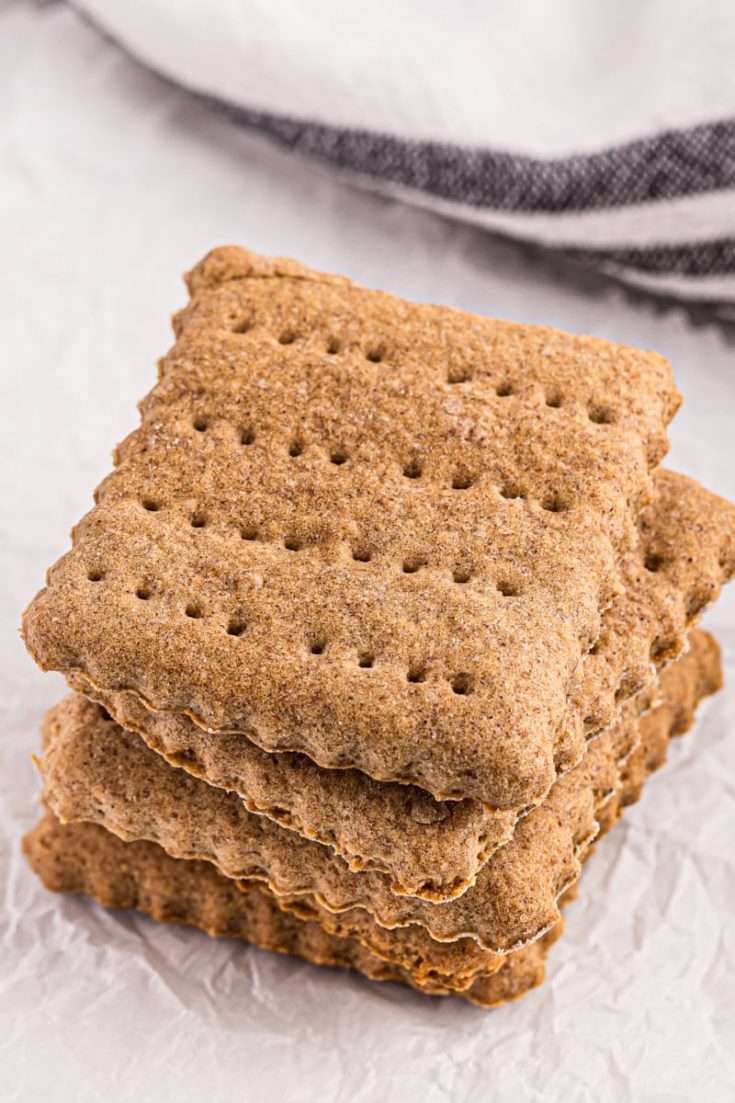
<point x="378" y="533"/>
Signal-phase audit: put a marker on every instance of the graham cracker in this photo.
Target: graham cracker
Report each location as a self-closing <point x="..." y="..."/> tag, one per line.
<point x="435" y="849"/>
<point x="407" y="519"/>
<point x="459" y="964"/>
<point x="84" y="858"/>
<point x="94" y="770"/>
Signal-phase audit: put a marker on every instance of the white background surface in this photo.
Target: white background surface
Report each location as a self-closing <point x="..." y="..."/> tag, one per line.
<point x="111" y="184"/>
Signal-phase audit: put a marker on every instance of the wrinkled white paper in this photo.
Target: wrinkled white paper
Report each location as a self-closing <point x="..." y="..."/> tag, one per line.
<point x="111" y="184"/>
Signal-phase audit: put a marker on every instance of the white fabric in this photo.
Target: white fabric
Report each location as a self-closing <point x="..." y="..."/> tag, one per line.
<point x="672" y="222"/>
<point x="688" y="218"/>
<point x="545" y="77"/>
<point x="111" y="184"/>
<point x="532" y="99"/>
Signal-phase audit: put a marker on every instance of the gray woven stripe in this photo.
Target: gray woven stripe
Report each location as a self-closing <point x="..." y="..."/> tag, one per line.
<point x="669" y="165"/>
<point x="673" y="163"/>
<point x="710" y="258"/>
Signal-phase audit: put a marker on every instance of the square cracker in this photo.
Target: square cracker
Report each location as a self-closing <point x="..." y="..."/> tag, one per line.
<point x="84" y="858"/>
<point x="94" y="770"/>
<point x="432" y="849"/>
<point x="377" y="533"/>
<point x="598" y="788"/>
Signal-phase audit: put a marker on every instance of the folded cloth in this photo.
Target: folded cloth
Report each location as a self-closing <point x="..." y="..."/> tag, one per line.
<point x="517" y="118"/>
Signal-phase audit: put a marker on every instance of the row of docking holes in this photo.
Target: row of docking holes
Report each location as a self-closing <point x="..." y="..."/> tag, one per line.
<point x="360" y="553"/>
<point x="461" y="684"/>
<point x="411" y="470"/>
<point x="460" y="575"/>
<point x="377" y="353"/>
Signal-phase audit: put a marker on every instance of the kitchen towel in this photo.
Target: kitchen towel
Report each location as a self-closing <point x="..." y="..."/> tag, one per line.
<point x="604" y="131"/>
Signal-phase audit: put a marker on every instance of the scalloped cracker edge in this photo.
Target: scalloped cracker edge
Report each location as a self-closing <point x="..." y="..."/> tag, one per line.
<point x="94" y="770"/>
<point x="84" y="858"/>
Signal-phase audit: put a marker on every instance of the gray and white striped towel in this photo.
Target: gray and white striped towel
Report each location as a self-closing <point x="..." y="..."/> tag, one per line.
<point x="604" y="131"/>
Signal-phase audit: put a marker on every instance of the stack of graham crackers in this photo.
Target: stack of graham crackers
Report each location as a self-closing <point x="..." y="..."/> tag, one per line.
<point x="382" y="617"/>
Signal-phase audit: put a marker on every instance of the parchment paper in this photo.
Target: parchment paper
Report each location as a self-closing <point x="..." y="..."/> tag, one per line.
<point x="111" y="184"/>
